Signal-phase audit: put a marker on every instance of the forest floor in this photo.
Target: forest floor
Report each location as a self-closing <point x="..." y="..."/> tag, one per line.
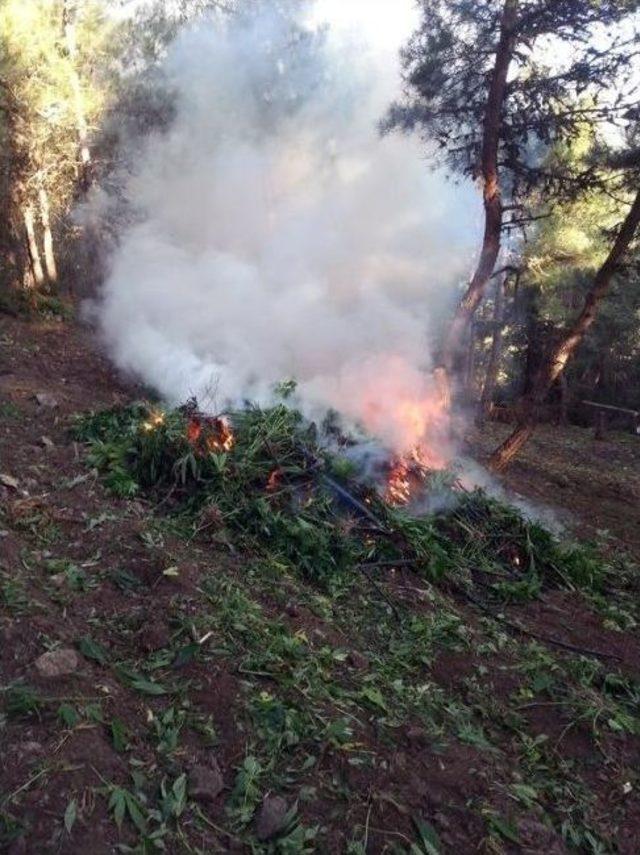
<point x="191" y="701"/>
<point x="592" y="486"/>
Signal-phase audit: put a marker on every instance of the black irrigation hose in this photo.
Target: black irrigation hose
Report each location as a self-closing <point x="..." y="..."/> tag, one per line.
<point x="348" y="499"/>
<point x="515" y="627"/>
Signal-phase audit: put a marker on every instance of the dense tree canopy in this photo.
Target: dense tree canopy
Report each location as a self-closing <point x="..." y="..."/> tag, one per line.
<point x="569" y="61"/>
<point x="53" y="95"/>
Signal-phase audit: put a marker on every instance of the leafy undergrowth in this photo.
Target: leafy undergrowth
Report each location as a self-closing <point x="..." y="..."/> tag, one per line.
<point x="389" y="677"/>
<point x="279" y="493"/>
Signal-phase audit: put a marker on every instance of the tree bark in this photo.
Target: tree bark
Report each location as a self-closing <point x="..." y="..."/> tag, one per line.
<point x="49" y="254"/>
<point x="559" y="356"/>
<point x="491" y="377"/>
<point x="469" y="375"/>
<point x="35" y="261"/>
<point x="493" y="206"/>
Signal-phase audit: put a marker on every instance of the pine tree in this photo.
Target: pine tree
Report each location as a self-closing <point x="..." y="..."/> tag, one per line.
<point x="486" y="84"/>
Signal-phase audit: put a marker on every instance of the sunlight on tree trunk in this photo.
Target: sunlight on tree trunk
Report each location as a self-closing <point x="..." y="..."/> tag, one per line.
<point x="512" y="446"/>
<point x="49" y="255"/>
<point x="32" y="245"/>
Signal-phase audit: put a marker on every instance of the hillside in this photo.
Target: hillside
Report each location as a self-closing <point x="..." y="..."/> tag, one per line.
<point x="167" y="688"/>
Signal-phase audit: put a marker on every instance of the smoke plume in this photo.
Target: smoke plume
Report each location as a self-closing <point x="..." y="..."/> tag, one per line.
<point x="277" y="235"/>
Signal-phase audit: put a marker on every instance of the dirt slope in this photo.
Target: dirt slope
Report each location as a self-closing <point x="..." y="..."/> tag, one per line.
<point x="213" y="703"/>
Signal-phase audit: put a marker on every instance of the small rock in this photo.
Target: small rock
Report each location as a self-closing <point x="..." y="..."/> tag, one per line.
<point x="57" y="663"/>
<point x="47" y="443"/>
<point x="58" y="580"/>
<point x="357" y="660"/>
<point x="272" y="818"/>
<point x="8" y="481"/>
<point x="46" y="399"/>
<point x="205" y="782"/>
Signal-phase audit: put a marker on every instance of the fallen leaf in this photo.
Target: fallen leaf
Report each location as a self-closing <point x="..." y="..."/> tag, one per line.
<point x="70" y="815"/>
<point x="172" y="572"/>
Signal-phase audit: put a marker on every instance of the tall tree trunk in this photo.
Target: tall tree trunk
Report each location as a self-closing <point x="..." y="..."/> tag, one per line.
<point x="82" y="129"/>
<point x="535" y="335"/>
<point x="469" y="377"/>
<point x="32" y="246"/>
<point x="49" y="255"/>
<point x="495" y="356"/>
<point x="557" y="360"/>
<point x="491" y="191"/>
<point x="12" y="247"/>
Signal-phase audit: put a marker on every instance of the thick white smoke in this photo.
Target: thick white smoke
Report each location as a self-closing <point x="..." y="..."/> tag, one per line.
<point x="280" y="237"/>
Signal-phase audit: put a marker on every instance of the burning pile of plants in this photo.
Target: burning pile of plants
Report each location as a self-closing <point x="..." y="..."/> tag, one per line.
<point x="265" y="481"/>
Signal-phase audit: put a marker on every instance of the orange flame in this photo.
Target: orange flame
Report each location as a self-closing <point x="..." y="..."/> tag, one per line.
<point x="194" y="430"/>
<point x="222" y="439"/>
<point x="413" y="412"/>
<point x="210" y="434"/>
<point x="398" y="488"/>
<point x="404" y="407"/>
<point x="408" y="474"/>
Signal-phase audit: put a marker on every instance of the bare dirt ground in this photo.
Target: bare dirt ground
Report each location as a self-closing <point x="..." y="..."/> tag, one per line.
<point x="593" y="484"/>
<point x="210" y="705"/>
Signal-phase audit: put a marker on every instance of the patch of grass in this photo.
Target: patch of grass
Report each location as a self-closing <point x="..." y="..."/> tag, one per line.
<point x="8" y="410"/>
<point x="20" y="700"/>
<point x="53" y="306"/>
<point x="74" y="577"/>
<point x="11" y="829"/>
<point x="26" y="303"/>
<point x="37" y="523"/>
<point x="166" y="728"/>
<point x="13" y="594"/>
